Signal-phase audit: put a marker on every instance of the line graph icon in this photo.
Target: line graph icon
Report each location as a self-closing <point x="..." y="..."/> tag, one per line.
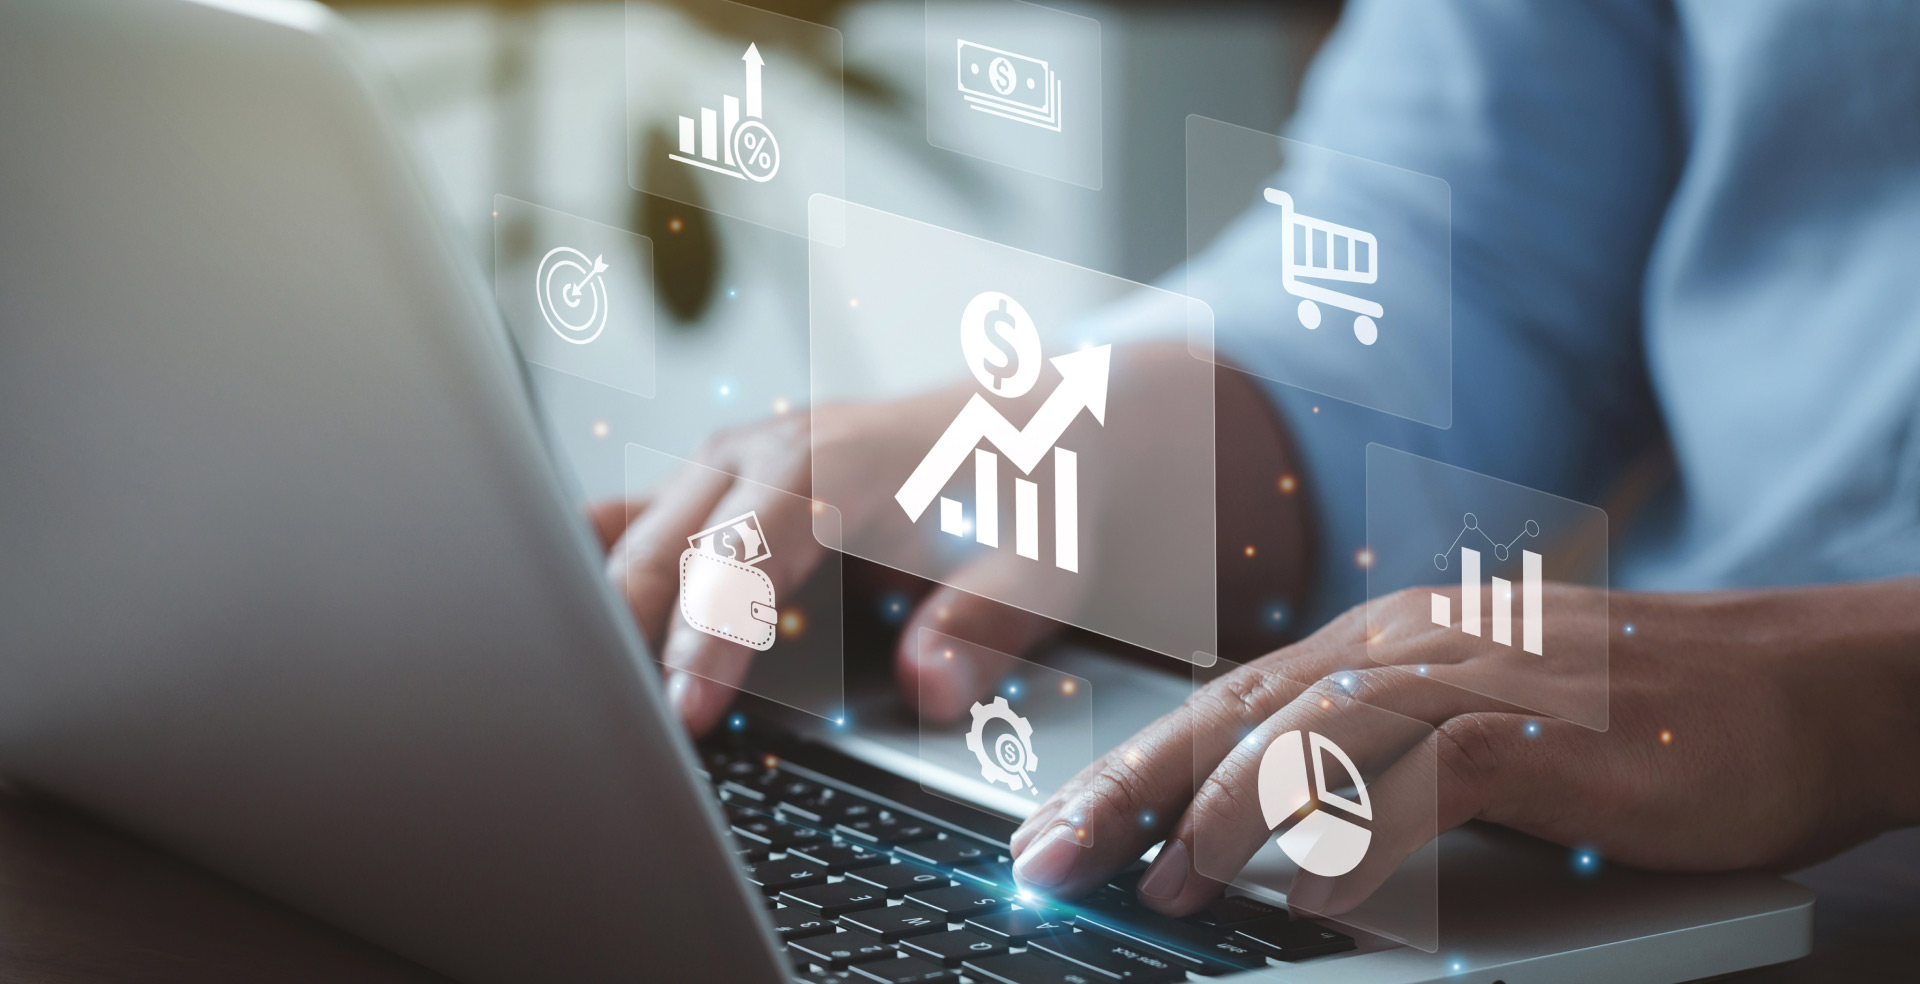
<point x="1502" y="588"/>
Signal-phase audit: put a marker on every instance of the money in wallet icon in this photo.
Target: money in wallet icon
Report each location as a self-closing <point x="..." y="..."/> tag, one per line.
<point x="988" y="320"/>
<point x="722" y="591"/>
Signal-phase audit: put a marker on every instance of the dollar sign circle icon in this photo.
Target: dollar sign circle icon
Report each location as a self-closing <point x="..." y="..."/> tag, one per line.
<point x="1000" y="73"/>
<point x="993" y="318"/>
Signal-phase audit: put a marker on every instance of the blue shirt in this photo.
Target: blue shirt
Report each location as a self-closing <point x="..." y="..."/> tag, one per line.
<point x="1691" y="223"/>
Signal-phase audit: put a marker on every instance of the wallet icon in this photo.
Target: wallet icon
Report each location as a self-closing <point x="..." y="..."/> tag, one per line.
<point x="722" y="593"/>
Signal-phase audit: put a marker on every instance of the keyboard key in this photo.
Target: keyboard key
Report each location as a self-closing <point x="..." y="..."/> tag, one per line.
<point x="911" y="970"/>
<point x="896" y="922"/>
<point x="1120" y="915"/>
<point x="1031" y="968"/>
<point x="841" y="949"/>
<point x="1235" y="911"/>
<point x="945" y="853"/>
<point x="1017" y="925"/>
<point x="822" y="809"/>
<point x="958" y="902"/>
<point x="793" y="922"/>
<point x="839" y="859"/>
<point x="987" y="874"/>
<point x="775" y="877"/>
<point x="1119" y="959"/>
<point x="837" y="898"/>
<point x="741" y="793"/>
<point x="858" y="809"/>
<point x="775" y="834"/>
<point x="953" y="946"/>
<point x="1296" y="939"/>
<point x="886" y="829"/>
<point x="899" y="879"/>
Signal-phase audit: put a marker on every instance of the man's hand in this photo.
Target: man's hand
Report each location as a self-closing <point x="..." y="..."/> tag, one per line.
<point x="644" y="539"/>
<point x="1756" y="729"/>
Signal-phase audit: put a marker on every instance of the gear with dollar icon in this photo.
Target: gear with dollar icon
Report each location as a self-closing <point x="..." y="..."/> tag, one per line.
<point x="1012" y="762"/>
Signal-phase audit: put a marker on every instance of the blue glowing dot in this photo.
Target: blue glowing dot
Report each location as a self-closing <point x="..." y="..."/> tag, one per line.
<point x="1345" y="680"/>
<point x="738" y="722"/>
<point x="1146" y="818"/>
<point x="1629" y="629"/>
<point x="1422" y="670"/>
<point x="893" y="608"/>
<point x="1457" y="966"/>
<point x="1013" y="688"/>
<point x="1532" y="729"/>
<point x="1586" y="861"/>
<point x="733" y="292"/>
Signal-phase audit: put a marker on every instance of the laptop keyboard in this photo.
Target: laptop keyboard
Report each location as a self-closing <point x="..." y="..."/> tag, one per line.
<point x="863" y="890"/>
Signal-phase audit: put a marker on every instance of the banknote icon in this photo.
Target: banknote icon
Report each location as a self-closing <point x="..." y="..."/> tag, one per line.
<point x="1009" y="85"/>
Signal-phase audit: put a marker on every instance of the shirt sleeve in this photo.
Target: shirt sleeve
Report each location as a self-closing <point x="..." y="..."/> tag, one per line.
<point x="1556" y="126"/>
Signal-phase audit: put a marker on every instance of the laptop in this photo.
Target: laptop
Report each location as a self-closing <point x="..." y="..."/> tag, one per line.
<point x="291" y="585"/>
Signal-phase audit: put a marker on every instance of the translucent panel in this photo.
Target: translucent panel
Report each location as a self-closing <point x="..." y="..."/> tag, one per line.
<point x="1016" y="84"/>
<point x="577" y="295"/>
<point x="739" y="110"/>
<point x="1486" y="585"/>
<point x="747" y="581"/>
<point x="1327" y="799"/>
<point x="975" y="425"/>
<point x="1016" y="745"/>
<point x="1328" y="272"/>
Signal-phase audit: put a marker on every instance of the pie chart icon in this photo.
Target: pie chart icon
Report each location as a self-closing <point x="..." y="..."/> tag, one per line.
<point x="1319" y="829"/>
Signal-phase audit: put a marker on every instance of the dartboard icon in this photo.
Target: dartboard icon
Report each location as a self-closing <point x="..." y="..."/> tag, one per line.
<point x="572" y="294"/>
<point x="1322" y="831"/>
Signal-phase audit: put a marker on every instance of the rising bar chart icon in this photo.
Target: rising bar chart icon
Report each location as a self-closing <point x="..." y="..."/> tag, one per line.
<point x="1501" y="610"/>
<point x="732" y="140"/>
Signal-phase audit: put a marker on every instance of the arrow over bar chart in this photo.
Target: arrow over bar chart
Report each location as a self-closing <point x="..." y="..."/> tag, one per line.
<point x="732" y="140"/>
<point x="1083" y="386"/>
<point x="1501" y="630"/>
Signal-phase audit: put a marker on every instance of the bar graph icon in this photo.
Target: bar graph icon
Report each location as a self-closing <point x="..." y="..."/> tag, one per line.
<point x="1082" y="388"/>
<point x="733" y="140"/>
<point x="1500" y="589"/>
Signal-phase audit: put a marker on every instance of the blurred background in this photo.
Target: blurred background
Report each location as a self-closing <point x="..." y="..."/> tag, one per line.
<point x="529" y="100"/>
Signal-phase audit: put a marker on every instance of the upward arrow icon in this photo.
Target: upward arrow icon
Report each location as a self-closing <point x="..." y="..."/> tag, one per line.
<point x="1083" y="386"/>
<point x="754" y="64"/>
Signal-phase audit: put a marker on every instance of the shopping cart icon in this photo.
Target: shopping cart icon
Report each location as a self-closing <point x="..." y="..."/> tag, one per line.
<point x="1320" y="250"/>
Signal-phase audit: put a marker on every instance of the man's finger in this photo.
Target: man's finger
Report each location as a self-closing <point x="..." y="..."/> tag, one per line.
<point x="1379" y="719"/>
<point x="942" y="689"/>
<point x="611" y="517"/>
<point x="1128" y="799"/>
<point x="720" y="665"/>
<point x="644" y="562"/>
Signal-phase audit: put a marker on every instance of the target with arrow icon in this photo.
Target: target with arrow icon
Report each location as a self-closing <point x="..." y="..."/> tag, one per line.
<point x="572" y="293"/>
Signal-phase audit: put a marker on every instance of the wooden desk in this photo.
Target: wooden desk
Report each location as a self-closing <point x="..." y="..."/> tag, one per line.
<point x="82" y="904"/>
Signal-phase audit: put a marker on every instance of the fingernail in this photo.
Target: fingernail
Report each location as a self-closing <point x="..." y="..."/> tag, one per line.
<point x="1049" y="860"/>
<point x="1168" y="873"/>
<point x="1030" y="829"/>
<point x="1310" y="893"/>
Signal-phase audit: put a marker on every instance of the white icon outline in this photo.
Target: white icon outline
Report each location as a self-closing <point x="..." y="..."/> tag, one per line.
<point x="729" y="596"/>
<point x="1344" y="264"/>
<point x="1320" y="841"/>
<point x="1082" y="386"/>
<point x="734" y="140"/>
<point x="1532" y="617"/>
<point x="998" y="99"/>
<point x="1017" y="773"/>
<point x="572" y="292"/>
